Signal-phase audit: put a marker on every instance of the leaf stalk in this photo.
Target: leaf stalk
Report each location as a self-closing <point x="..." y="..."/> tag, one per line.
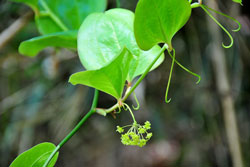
<point x="78" y="126"/>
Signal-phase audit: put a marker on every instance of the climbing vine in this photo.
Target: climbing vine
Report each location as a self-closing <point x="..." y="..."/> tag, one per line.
<point x="115" y="47"/>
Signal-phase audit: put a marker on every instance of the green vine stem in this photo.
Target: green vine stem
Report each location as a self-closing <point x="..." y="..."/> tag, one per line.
<point x="118" y="3"/>
<point x="78" y="126"/>
<point x="131" y="90"/>
<point x="170" y="75"/>
<point x="145" y="73"/>
<point x="53" y="16"/>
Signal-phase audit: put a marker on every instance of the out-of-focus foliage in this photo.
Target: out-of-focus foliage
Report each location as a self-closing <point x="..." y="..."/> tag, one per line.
<point x="32" y="47"/>
<point x="61" y="15"/>
<point x="38" y="104"/>
<point x="58" y="20"/>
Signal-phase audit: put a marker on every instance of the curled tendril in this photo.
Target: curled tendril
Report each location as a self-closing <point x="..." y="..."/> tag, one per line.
<point x="137" y="103"/>
<point x="225" y="15"/>
<point x="187" y="70"/>
<point x="221" y="26"/>
<point x="170" y="75"/>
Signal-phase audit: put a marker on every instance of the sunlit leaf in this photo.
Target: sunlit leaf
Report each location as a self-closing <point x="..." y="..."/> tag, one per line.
<point x="36" y="156"/>
<point x="110" y="78"/>
<point x="157" y="21"/>
<point x="103" y="35"/>
<point x="32" y="47"/>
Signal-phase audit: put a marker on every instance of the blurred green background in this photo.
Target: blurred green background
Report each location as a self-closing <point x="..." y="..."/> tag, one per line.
<point x="37" y="103"/>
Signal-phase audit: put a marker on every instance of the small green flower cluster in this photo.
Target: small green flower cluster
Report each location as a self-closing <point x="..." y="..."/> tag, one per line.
<point x="137" y="135"/>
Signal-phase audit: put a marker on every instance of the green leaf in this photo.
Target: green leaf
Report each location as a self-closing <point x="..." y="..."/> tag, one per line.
<point x="36" y="156"/>
<point x="53" y="17"/>
<point x="157" y="21"/>
<point x="102" y="36"/>
<point x="32" y="47"/>
<point x="110" y="78"/>
<point x="62" y="15"/>
<point x="238" y="1"/>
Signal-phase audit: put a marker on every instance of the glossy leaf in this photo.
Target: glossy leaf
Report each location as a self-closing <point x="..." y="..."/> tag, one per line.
<point x="32" y="47"/>
<point x="110" y="78"/>
<point x="157" y="21"/>
<point x="36" y="156"/>
<point x="238" y="1"/>
<point x="102" y="36"/>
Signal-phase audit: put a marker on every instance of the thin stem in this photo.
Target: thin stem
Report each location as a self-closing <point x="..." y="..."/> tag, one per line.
<point x="221" y="26"/>
<point x="187" y="70"/>
<point x="128" y="93"/>
<point x="128" y="108"/>
<point x="126" y="126"/>
<point x="229" y="17"/>
<point x="53" y="16"/>
<point x="170" y="76"/>
<point x="78" y="126"/>
<point x="145" y="73"/>
<point x="118" y="3"/>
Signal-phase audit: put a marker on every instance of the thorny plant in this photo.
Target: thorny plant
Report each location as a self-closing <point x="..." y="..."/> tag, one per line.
<point x="114" y="47"/>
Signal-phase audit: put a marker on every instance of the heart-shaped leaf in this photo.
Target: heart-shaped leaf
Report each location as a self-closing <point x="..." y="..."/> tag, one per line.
<point x="110" y="78"/>
<point x="102" y="36"/>
<point x="36" y="156"/>
<point x="32" y="47"/>
<point x="157" y="21"/>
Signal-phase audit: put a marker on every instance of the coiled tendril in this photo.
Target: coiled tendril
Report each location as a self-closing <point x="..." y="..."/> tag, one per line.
<point x="206" y="8"/>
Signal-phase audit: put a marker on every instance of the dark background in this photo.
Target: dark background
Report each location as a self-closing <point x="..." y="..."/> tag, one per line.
<point x="37" y="103"/>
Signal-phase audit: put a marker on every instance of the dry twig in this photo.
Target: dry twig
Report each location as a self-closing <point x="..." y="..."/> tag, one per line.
<point x="14" y="28"/>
